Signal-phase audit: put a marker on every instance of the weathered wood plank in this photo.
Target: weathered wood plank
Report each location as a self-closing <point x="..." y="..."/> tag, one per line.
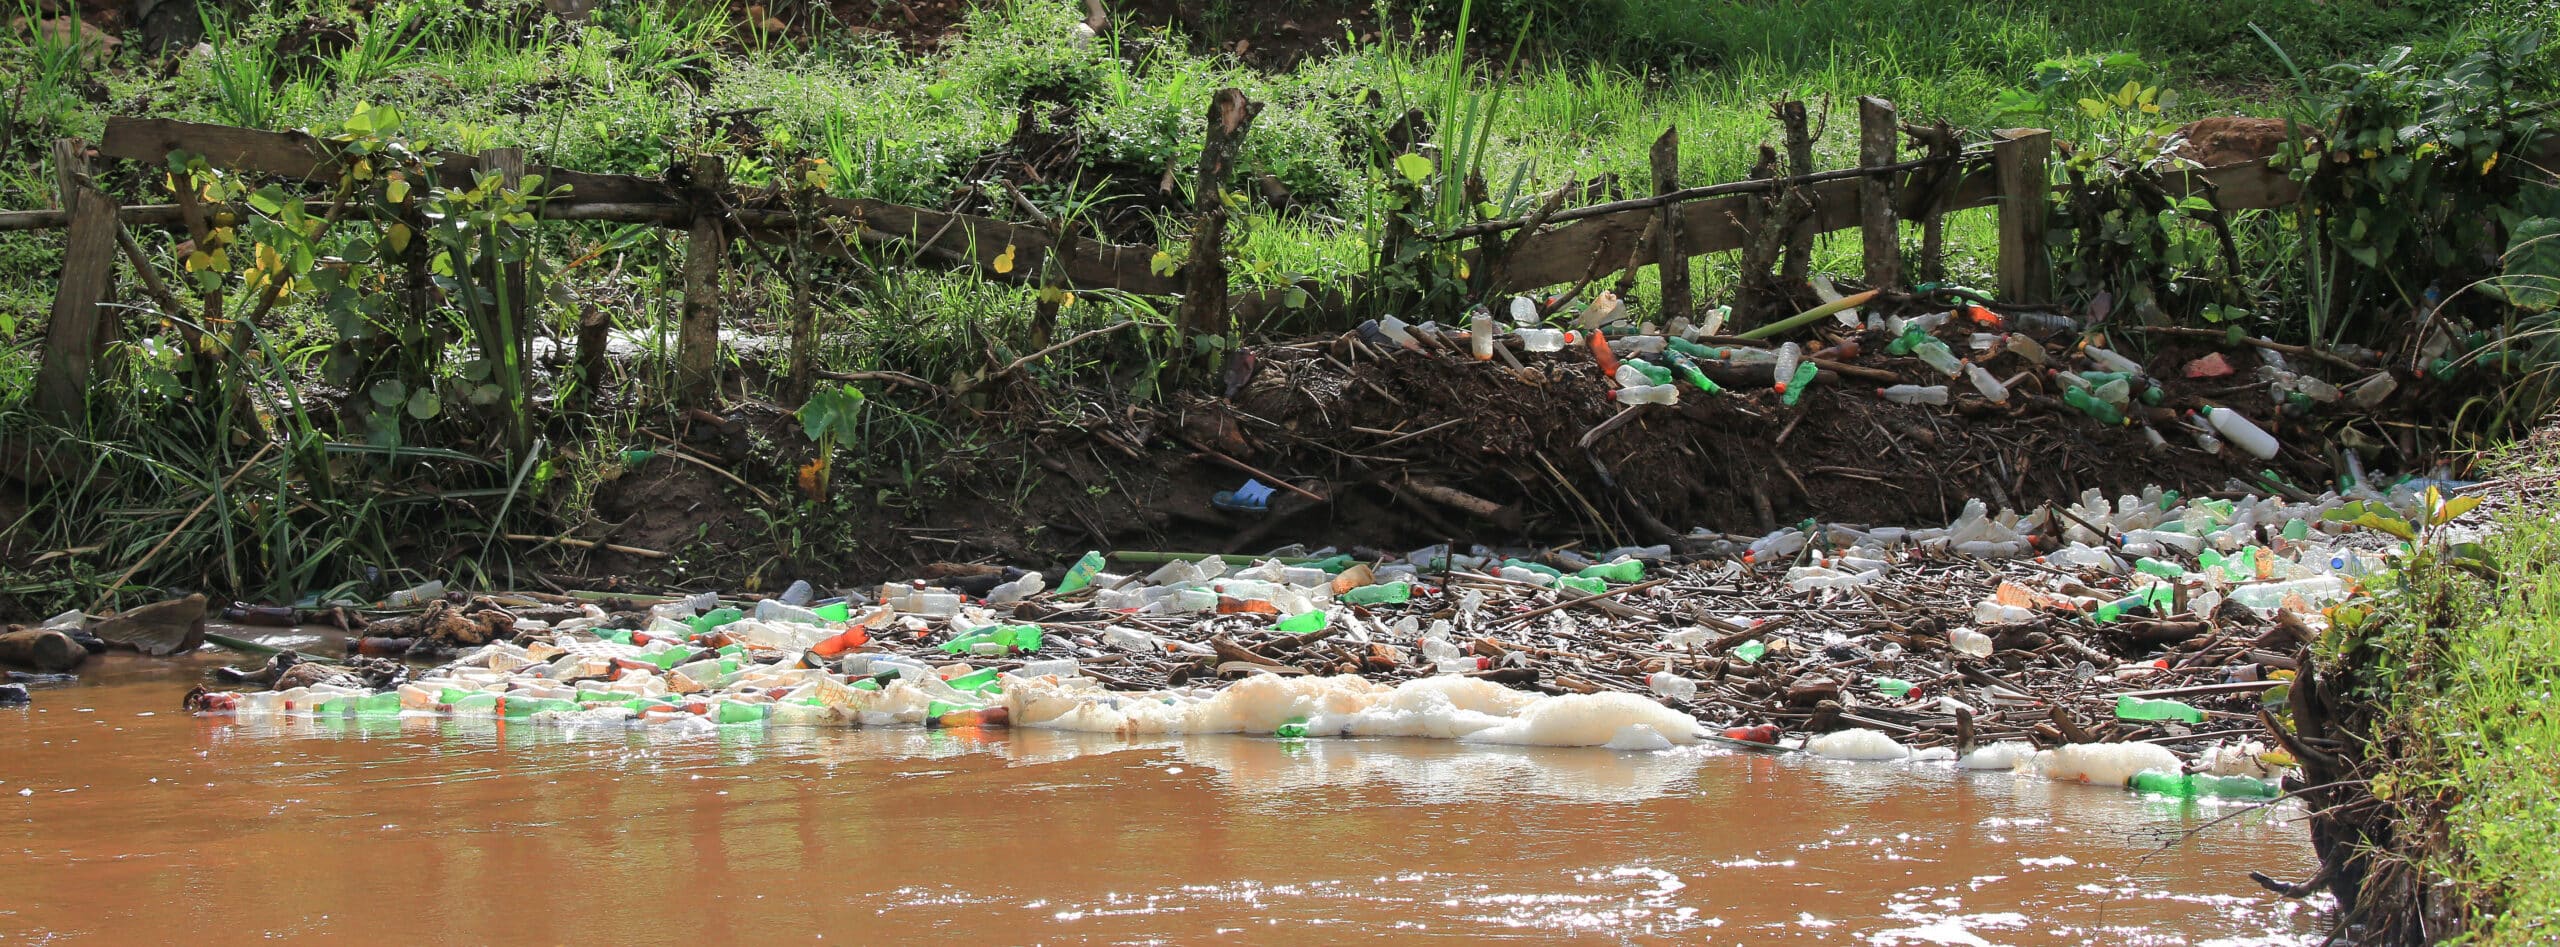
<point x="1879" y="133"/>
<point x="75" y="338"/>
<point x="297" y="155"/>
<point x="698" y="329"/>
<point x="1673" y="267"/>
<point x="2026" y="190"/>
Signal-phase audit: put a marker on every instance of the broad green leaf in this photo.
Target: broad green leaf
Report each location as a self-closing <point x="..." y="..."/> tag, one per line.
<point x="1414" y="167"/>
<point x="2530" y="277"/>
<point x="2392" y="525"/>
<point x="389" y="392"/>
<point x="424" y="404"/>
<point x="1162" y="264"/>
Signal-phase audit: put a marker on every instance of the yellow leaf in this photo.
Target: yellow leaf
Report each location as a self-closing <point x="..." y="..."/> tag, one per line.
<point x="1069" y="301"/>
<point x="1004" y="261"/>
<point x="2368" y="154"/>
<point x="363" y="170"/>
<point x="199" y="260"/>
<point x="397" y="237"/>
<point x="397" y="191"/>
<point x="1463" y="271"/>
<point x="2488" y="165"/>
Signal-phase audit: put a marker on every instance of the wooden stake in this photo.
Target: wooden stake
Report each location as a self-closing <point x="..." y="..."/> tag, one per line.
<point x="77" y="334"/>
<point x="2026" y="271"/>
<point x="1673" y="264"/>
<point x="1878" y="133"/>
<point x="1799" y="259"/>
<point x="1204" y="275"/>
<point x="698" y="335"/>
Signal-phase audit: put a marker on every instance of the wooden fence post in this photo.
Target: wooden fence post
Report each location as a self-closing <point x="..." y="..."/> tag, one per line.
<point x="1798" y="264"/>
<point x="77" y="334"/>
<point x="1204" y="275"/>
<point x="1878" y="133"/>
<point x="2018" y="161"/>
<point x="1668" y="258"/>
<point x="698" y="334"/>
<point x="1941" y="141"/>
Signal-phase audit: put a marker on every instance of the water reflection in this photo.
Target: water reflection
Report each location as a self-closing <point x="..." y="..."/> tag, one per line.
<point x="483" y="831"/>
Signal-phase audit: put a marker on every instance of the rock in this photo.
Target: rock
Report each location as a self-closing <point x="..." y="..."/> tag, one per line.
<point x="2231" y="139"/>
<point x="12" y="695"/>
<point x="159" y="629"/>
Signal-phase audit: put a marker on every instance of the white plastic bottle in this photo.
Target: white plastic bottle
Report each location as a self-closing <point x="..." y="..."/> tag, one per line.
<point x="2240" y="432"/>
<point x="1649" y="394"/>
<point x="1672" y="685"/>
<point x="1914" y="394"/>
<point x="1542" y="340"/>
<point x="1480" y="336"/>
<point x="1396" y="330"/>
<point x="1524" y="311"/>
<point x="2111" y="361"/>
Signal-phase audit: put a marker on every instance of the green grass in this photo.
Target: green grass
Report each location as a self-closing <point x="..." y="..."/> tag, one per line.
<point x="2481" y="699"/>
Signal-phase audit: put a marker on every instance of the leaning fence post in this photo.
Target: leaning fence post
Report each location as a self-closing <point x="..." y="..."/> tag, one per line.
<point x="1204" y="275"/>
<point x="76" y="336"/>
<point x="2018" y="161"/>
<point x="1798" y="263"/>
<point x="1668" y="258"/>
<point x="1878" y="133"/>
<point x="698" y="334"/>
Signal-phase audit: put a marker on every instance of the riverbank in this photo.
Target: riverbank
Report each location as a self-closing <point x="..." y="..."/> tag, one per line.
<point x="2445" y="704"/>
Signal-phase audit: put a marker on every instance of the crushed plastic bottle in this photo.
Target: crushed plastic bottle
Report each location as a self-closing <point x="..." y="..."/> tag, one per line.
<point x="1672" y="685"/>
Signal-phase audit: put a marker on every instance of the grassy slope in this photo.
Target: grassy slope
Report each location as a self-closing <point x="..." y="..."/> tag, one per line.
<point x="2481" y="697"/>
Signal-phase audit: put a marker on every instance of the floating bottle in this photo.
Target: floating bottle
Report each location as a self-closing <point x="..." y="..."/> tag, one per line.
<point x="2193" y="785"/>
<point x="2129" y="707"/>
<point x="1914" y="394"/>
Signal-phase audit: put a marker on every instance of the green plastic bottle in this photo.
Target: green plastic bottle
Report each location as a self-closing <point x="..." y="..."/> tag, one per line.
<point x="2158" y="782"/>
<point x="2130" y="707"/>
<point x="1656" y="374"/>
<point x="1805" y="372"/>
<point x="2193" y="785"/>
<point x="1623" y="571"/>
<point x="1534" y="567"/>
<point x="1334" y="564"/>
<point x="1387" y="594"/>
<point x="703" y="623"/>
<point x="974" y="681"/>
<point x="1750" y="652"/>
<point x="1024" y="638"/>
<point x="1295" y="729"/>
<point x="1687" y="349"/>
<point x="2089" y="404"/>
<point x="615" y="635"/>
<point x="2165" y="570"/>
<point x="1688" y="369"/>
<point x="1081" y="574"/>
<point x="733" y="711"/>
<point x="1895" y="687"/>
<point x="1302" y="623"/>
<point x="835" y="611"/>
<point x="1586" y="586"/>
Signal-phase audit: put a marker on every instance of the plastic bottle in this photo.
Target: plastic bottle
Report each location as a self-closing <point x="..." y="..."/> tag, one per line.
<point x="2193" y="785"/>
<point x="1081" y="574"/>
<point x="1895" y="687"/>
<point x="1914" y="394"/>
<point x="1991" y="388"/>
<point x="1480" y="336"/>
<point x="1750" y="652"/>
<point x="1388" y="593"/>
<point x="416" y="595"/>
<point x="1649" y="394"/>
<point x="2237" y="429"/>
<point x="703" y="624"/>
<point x="1688" y="369"/>
<point x="1939" y="357"/>
<point x="1800" y="382"/>
<point x="2089" y="404"/>
<point x="1970" y="642"/>
<point x="1783" y="370"/>
<point x="2111" y="361"/>
<point x="2369" y="394"/>
<point x="1302" y="623"/>
<point x="1622" y="572"/>
<point x="1542" y="340"/>
<point x="2129" y="707"/>
<point x="1672" y="685"/>
<point x="1399" y="332"/>
<point x="2313" y="591"/>
<point x="799" y="593"/>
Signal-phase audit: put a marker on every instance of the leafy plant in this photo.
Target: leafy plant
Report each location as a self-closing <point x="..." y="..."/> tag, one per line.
<point x="829" y="416"/>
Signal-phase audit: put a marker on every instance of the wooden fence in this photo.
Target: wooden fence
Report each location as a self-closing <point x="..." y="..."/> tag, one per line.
<point x="1548" y="247"/>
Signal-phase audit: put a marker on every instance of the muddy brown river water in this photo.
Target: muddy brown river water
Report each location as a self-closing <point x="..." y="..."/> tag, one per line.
<point x="123" y="820"/>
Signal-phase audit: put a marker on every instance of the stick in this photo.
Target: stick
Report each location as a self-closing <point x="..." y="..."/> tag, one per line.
<point x="1755" y="186"/>
<point x="676" y="450"/>
<point x="1078" y="337"/>
<point x="587" y="544"/>
<point x="1569" y="603"/>
<point x="190" y="519"/>
<point x="1249" y="468"/>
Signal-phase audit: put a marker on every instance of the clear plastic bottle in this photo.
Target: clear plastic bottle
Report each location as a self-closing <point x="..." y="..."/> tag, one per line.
<point x="1524" y="311"/>
<point x="1649" y="394"/>
<point x="2111" y="361"/>
<point x="1542" y="340"/>
<point x="416" y="595"/>
<point x="1672" y="685"/>
<point x="1914" y="394"/>
<point x="1991" y="388"/>
<point x="2369" y="394"/>
<point x="1784" y="368"/>
<point x="1480" y="336"/>
<point x="1399" y="332"/>
<point x="1939" y="357"/>
<point x="799" y="593"/>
